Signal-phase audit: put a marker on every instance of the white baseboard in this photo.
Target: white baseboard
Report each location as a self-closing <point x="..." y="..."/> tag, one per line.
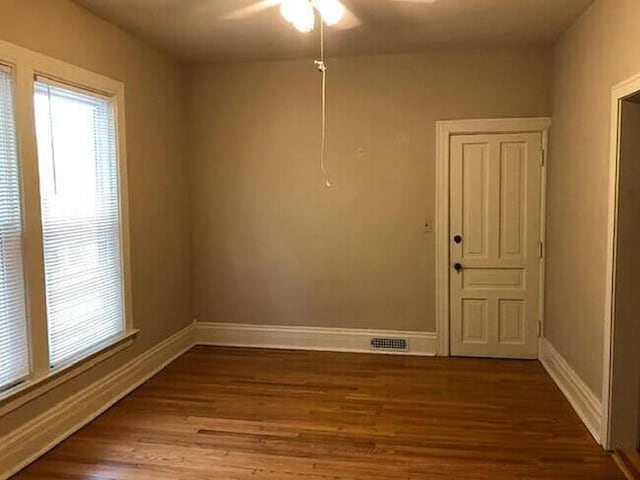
<point x="582" y="399"/>
<point x="24" y="445"/>
<point x="309" y="338"/>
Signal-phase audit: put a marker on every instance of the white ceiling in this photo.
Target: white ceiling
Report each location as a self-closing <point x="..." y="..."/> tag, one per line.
<point x="196" y="30"/>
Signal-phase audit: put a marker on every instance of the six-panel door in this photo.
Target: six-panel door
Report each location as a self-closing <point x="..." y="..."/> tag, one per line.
<point x="495" y="211"/>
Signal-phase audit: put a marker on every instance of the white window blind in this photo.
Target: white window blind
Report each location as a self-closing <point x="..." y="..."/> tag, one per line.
<point x="14" y="354"/>
<point x="77" y="161"/>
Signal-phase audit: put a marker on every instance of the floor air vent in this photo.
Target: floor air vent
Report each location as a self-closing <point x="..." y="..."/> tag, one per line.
<point x="393" y="344"/>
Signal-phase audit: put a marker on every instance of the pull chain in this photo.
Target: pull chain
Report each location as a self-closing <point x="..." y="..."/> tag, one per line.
<point x="51" y="143"/>
<point x="322" y="68"/>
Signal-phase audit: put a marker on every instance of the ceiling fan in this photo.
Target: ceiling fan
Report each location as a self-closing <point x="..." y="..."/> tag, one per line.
<point x="301" y="13"/>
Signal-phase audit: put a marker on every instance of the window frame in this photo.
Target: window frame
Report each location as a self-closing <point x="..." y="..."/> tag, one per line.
<point x="10" y="69"/>
<point x="26" y="65"/>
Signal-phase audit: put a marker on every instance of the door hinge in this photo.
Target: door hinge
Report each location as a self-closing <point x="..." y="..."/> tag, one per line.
<point x="539" y="328"/>
<point x="541" y="249"/>
<point x="543" y="154"/>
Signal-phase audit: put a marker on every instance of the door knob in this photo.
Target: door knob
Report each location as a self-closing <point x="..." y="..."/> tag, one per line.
<point x="458" y="267"/>
<point x="457" y="238"/>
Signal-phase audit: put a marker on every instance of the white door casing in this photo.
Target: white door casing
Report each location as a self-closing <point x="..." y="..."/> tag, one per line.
<point x="610" y="382"/>
<point x="524" y="136"/>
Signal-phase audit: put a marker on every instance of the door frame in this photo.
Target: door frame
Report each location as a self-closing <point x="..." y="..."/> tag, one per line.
<point x="619" y="93"/>
<point x="444" y="131"/>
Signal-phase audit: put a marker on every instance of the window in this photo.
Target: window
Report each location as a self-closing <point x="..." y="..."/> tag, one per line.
<point x="14" y="356"/>
<point x="64" y="249"/>
<point x="77" y="163"/>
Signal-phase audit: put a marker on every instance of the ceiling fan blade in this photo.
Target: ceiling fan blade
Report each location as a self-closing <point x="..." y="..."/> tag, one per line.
<point x="245" y="12"/>
<point x="415" y="1"/>
<point x="348" y="21"/>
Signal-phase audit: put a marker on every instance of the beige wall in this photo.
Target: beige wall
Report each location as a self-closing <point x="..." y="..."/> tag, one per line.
<point x="601" y="49"/>
<point x="158" y="175"/>
<point x="272" y="245"/>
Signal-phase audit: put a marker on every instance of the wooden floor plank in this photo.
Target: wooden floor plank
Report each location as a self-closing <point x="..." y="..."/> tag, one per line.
<point x="629" y="462"/>
<point x="239" y="414"/>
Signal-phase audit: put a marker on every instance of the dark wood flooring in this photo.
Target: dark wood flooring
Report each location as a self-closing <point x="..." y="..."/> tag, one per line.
<point x="238" y="414"/>
<point x="629" y="462"/>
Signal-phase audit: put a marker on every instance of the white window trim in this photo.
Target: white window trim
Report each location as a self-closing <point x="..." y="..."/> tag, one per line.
<point x="26" y="65"/>
<point x="25" y="392"/>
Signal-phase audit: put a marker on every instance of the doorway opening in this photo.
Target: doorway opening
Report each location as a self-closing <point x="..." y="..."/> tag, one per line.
<point x="622" y="327"/>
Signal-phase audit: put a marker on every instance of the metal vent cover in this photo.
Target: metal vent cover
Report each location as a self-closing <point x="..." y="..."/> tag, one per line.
<point x="388" y="343"/>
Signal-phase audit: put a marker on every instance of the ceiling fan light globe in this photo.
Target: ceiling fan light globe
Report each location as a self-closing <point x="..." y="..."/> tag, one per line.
<point x="331" y="11"/>
<point x="303" y="27"/>
<point x="299" y="13"/>
<point x="290" y="9"/>
<point x="305" y="23"/>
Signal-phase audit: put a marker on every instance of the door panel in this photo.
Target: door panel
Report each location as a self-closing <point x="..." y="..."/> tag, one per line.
<point x="512" y="199"/>
<point x="495" y="208"/>
<point x="492" y="278"/>
<point x="475" y="187"/>
<point x="475" y="320"/>
<point x="511" y="322"/>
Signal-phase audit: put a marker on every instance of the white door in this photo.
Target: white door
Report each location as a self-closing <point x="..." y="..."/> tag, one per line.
<point x="495" y="244"/>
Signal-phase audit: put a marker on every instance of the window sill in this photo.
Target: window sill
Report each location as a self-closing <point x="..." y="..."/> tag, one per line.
<point x="31" y="389"/>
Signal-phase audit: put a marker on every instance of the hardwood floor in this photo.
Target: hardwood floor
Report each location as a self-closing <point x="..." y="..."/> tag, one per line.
<point x="629" y="462"/>
<point x="237" y="414"/>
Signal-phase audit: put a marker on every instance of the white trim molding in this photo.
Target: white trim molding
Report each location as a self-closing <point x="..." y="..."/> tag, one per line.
<point x="30" y="390"/>
<point x="309" y="338"/>
<point x="618" y="94"/>
<point x="24" y="445"/>
<point x="581" y="398"/>
<point x="444" y="131"/>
